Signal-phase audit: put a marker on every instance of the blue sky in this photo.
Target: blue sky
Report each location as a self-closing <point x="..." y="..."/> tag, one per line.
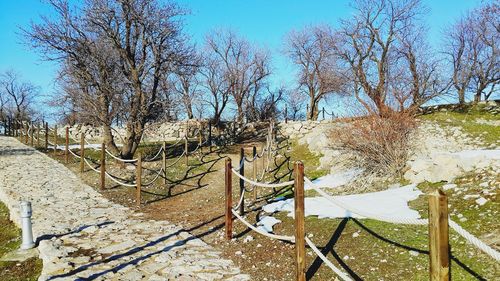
<point x="264" y="22"/>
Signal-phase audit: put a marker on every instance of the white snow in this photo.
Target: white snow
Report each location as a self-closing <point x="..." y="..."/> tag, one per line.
<point x="77" y="146"/>
<point x="391" y="202"/>
<point x="481" y="201"/>
<point x="449" y="186"/>
<point x="266" y="223"/>
<point x="493" y="154"/>
<point x="335" y="180"/>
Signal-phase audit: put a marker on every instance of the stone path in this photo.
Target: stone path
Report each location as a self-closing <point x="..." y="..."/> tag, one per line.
<point x="83" y="236"/>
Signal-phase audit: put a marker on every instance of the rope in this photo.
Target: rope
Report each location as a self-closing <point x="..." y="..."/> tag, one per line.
<point x="270" y="235"/>
<point x="156" y="177"/>
<point x="172" y="145"/>
<point x="175" y="162"/>
<point x="474" y="240"/>
<point x="335" y="269"/>
<point x="94" y="169"/>
<point x="154" y="157"/>
<point x="464" y="233"/>
<point x="119" y="182"/>
<point x="241" y="200"/>
<point x="120" y="159"/>
<point x="74" y="154"/>
<point x="240" y="166"/>
<point x="281" y="184"/>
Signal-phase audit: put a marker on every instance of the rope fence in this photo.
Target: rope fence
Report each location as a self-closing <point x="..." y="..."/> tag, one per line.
<point x="437" y="223"/>
<point x="26" y="130"/>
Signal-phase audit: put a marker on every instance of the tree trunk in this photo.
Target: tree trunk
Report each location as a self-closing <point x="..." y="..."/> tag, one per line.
<point x="313" y="113"/>
<point x="108" y="139"/>
<point x="240" y="112"/>
<point x="461" y="96"/>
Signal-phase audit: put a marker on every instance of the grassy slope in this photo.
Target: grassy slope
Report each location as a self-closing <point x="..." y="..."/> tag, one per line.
<point x="467" y="121"/>
<point x="9" y="241"/>
<point x="386" y="251"/>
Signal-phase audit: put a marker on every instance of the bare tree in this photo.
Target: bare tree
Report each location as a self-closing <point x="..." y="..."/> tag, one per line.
<point x="216" y="85"/>
<point x="17" y="96"/>
<point x="459" y="48"/>
<point x="486" y="74"/>
<point x="264" y="106"/>
<point x="295" y="103"/>
<point x="417" y="76"/>
<point x="186" y="83"/>
<point x="144" y="35"/>
<point x="312" y="51"/>
<point x="244" y="65"/>
<point x="369" y="44"/>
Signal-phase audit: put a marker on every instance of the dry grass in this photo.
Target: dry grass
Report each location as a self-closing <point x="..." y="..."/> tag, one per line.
<point x="380" y="145"/>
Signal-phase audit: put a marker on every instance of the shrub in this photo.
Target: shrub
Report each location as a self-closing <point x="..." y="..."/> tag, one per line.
<point x="381" y="145"/>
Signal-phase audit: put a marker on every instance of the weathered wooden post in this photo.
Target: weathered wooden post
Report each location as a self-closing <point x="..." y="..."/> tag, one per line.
<point x="186" y="150"/>
<point x="300" y="246"/>
<point x="229" y="200"/>
<point x="46" y="135"/>
<point x="254" y="168"/>
<point x="323" y="113"/>
<point x="103" y="166"/>
<point x="82" y="152"/>
<point x="286" y="114"/>
<point x="55" y="140"/>
<point x="307" y="111"/>
<point x="138" y="180"/>
<point x="26" y="132"/>
<point x="32" y="136"/>
<point x="66" y="152"/>
<point x="439" y="248"/>
<point x="264" y="146"/>
<point x="164" y="162"/>
<point x="210" y="135"/>
<point x="200" y="136"/>
<point x="242" y="182"/>
<point x="38" y="134"/>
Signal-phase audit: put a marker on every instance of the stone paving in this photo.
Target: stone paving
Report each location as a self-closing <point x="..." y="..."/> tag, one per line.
<point x="83" y="236"/>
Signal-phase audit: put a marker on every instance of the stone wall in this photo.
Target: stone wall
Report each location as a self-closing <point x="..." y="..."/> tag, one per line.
<point x="166" y="131"/>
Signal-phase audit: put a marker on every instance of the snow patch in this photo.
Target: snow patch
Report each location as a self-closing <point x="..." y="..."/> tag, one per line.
<point x="335" y="180"/>
<point x="391" y="202"/>
<point x="266" y="223"/>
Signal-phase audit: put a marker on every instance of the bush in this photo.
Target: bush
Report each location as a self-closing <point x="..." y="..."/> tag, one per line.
<point x="381" y="145"/>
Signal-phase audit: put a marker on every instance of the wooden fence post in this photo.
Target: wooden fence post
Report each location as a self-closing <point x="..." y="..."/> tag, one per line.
<point x="439" y="248"/>
<point x="323" y="113"/>
<point x="210" y="135"/>
<point x="300" y="248"/>
<point x="286" y="114"/>
<point x="200" y="137"/>
<point x="164" y="162"/>
<point x="229" y="199"/>
<point x="254" y="168"/>
<point x="103" y="166"/>
<point x="32" y="136"/>
<point x="38" y="134"/>
<point x="26" y="132"/>
<point x="138" y="180"/>
<point x="186" y="149"/>
<point x="82" y="152"/>
<point x="46" y="135"/>
<point x="55" y="140"/>
<point x="66" y="152"/>
<point x="242" y="182"/>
